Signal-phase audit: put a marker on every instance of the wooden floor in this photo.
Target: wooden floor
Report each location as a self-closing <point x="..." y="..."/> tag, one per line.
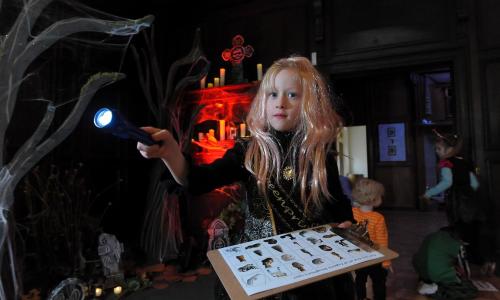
<point x="406" y="231"/>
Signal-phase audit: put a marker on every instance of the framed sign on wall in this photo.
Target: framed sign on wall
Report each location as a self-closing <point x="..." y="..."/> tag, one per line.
<point x="392" y="142"/>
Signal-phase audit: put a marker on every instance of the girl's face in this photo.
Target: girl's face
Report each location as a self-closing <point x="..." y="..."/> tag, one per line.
<point x="442" y="150"/>
<point x="284" y="101"/>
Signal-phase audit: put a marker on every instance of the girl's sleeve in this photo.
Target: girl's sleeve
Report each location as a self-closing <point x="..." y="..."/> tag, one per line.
<point x="474" y="183"/>
<point x="445" y="183"/>
<point x="339" y="207"/>
<point x="223" y="171"/>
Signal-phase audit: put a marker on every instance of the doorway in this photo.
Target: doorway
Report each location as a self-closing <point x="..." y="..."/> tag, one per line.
<point x="434" y="94"/>
<point x="399" y="108"/>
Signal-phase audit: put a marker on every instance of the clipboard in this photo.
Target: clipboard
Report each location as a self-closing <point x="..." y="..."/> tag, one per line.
<point x="236" y="291"/>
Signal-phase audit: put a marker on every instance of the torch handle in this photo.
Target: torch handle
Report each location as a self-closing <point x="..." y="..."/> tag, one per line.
<point x="142" y="136"/>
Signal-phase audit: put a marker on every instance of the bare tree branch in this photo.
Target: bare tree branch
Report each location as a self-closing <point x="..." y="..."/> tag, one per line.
<point x="17" y="51"/>
<point x="162" y="242"/>
<point x="13" y="70"/>
<point x="64" y="28"/>
<point x="21" y="30"/>
<point x="155" y="68"/>
<point x="28" y="161"/>
<point x="37" y="136"/>
<point x="144" y="81"/>
<point x="186" y="81"/>
<point x="190" y="58"/>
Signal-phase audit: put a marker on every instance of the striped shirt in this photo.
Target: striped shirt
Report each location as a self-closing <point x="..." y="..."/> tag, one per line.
<point x="376" y="227"/>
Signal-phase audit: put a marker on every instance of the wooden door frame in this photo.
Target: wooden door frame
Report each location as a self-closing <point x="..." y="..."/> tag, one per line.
<point x="454" y="60"/>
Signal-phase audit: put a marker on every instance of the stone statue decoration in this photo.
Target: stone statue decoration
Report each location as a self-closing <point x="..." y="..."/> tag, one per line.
<point x="110" y="251"/>
<point x="20" y="46"/>
<point x="236" y="55"/>
<point x="218" y="233"/>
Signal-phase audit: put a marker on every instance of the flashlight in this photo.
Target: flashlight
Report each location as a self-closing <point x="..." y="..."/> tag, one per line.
<point x="112" y="121"/>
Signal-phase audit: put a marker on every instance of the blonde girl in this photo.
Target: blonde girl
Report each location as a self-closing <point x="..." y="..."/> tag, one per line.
<point x="287" y="166"/>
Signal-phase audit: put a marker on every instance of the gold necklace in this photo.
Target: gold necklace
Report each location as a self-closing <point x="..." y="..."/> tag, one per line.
<point x="288" y="173"/>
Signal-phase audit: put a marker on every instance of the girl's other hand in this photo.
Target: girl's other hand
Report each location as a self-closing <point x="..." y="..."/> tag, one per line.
<point x="345" y="224"/>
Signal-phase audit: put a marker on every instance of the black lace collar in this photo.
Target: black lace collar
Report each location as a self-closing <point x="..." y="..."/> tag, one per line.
<point x="283" y="139"/>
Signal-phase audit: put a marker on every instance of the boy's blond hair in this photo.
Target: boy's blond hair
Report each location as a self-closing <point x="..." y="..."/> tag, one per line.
<point x="366" y="190"/>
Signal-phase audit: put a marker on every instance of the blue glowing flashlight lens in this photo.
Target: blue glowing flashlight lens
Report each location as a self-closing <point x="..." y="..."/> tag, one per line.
<point x="103" y="117"/>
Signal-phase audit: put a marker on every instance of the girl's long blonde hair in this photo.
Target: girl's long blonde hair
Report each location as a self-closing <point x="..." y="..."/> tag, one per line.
<point x="316" y="131"/>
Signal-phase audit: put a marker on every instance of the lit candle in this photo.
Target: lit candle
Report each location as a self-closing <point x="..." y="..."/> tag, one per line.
<point x="216" y="82"/>
<point x="243" y="130"/>
<point x="98" y="292"/>
<point x="222" y="130"/>
<point x="222" y="76"/>
<point x="233" y="133"/>
<point x="117" y="290"/>
<point x="259" y="72"/>
<point x="202" y="82"/>
<point x="210" y="85"/>
<point x="314" y="59"/>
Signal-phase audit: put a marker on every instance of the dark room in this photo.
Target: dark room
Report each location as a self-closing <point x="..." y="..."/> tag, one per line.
<point x="249" y="149"/>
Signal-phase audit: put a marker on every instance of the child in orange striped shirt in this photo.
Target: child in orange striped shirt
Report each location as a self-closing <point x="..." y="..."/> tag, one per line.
<point x="367" y="194"/>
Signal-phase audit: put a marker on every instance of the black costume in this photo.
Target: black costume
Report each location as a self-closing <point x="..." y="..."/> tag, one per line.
<point x="283" y="212"/>
<point x="463" y="211"/>
<point x="460" y="203"/>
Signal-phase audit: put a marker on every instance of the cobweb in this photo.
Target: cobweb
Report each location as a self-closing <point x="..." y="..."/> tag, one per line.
<point x="64" y="65"/>
<point x="54" y="56"/>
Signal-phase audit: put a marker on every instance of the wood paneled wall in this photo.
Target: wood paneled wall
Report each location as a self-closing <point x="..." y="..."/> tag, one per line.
<point x="358" y="36"/>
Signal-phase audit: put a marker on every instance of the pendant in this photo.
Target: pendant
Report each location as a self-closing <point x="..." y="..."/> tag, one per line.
<point x="288" y="173"/>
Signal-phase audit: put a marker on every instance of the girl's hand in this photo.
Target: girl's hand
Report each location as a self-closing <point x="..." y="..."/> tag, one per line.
<point x="167" y="147"/>
<point x="423" y="197"/>
<point x="345" y="224"/>
<point x="169" y="152"/>
<point x="425" y="200"/>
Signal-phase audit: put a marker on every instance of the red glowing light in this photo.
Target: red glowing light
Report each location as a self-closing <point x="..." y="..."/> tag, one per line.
<point x="226" y="105"/>
<point x="230" y="103"/>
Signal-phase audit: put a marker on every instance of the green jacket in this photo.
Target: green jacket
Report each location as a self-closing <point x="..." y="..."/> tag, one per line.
<point x="436" y="258"/>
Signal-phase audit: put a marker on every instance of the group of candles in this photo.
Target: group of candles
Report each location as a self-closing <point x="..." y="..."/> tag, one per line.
<point x="232" y="130"/>
<point x="225" y="132"/>
<point x="98" y="291"/>
<point x="221" y="80"/>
